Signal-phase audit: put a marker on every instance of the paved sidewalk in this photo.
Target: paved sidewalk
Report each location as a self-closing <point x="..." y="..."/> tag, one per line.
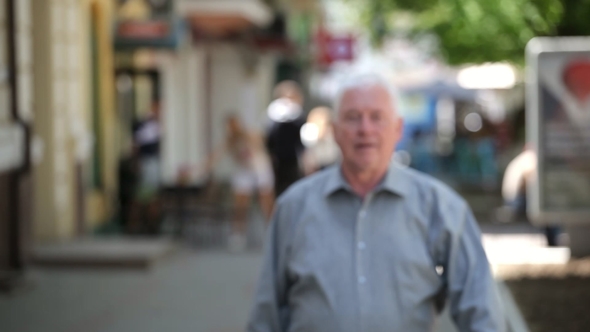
<point x="191" y="291"/>
<point x="203" y="292"/>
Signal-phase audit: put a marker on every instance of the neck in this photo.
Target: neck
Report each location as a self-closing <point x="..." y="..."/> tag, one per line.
<point x="363" y="182"/>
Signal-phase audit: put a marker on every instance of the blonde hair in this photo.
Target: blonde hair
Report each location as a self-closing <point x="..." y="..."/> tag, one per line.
<point x="288" y="88"/>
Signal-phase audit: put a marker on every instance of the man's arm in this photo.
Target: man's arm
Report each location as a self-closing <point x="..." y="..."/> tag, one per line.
<point x="474" y="300"/>
<point x="270" y="312"/>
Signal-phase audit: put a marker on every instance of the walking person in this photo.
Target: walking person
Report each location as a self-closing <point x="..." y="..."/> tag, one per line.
<point x="144" y="208"/>
<point x="252" y="175"/>
<point x="370" y="246"/>
<point x="519" y="174"/>
<point x="284" y="136"/>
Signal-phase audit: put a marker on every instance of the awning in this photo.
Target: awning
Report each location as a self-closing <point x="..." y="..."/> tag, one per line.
<point x="157" y="33"/>
<point x="443" y="89"/>
<point x="220" y="18"/>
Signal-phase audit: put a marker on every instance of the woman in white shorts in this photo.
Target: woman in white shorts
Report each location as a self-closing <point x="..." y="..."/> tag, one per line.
<point x="252" y="175"/>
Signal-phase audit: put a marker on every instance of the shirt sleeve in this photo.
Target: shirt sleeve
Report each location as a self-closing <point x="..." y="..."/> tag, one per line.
<point x="474" y="298"/>
<point x="270" y="312"/>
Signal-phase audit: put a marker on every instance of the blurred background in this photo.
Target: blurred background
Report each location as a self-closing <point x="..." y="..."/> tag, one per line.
<point x="121" y="124"/>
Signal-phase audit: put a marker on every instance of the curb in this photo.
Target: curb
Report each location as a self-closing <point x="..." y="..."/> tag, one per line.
<point x="515" y="320"/>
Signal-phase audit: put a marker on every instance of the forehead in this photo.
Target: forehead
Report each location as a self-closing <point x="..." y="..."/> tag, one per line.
<point x="374" y="97"/>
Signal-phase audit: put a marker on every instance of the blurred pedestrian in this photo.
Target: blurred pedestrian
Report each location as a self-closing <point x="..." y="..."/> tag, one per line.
<point x="369" y="245"/>
<point x="519" y="173"/>
<point x="252" y="175"/>
<point x="321" y="148"/>
<point x="147" y="138"/>
<point x="145" y="210"/>
<point x="283" y="138"/>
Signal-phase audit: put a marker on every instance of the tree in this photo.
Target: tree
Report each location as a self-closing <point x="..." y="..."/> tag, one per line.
<point x="477" y="31"/>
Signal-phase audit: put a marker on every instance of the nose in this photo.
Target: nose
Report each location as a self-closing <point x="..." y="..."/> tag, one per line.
<point x="365" y="125"/>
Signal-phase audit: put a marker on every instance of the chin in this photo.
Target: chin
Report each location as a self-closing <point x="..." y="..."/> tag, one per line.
<point x="365" y="164"/>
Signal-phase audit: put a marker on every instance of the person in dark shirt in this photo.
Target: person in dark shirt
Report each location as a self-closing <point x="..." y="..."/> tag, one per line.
<point x="147" y="143"/>
<point x="145" y="211"/>
<point x="284" y="139"/>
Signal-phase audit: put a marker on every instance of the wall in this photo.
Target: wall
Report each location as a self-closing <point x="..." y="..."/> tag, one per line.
<point x="24" y="61"/>
<point x="63" y="77"/>
<point x="183" y="109"/>
<point x="107" y="94"/>
<point x="4" y="84"/>
<point x="4" y="192"/>
<point x="187" y="121"/>
<point x="100" y="201"/>
<point x="54" y="207"/>
<point x="12" y="135"/>
<point x="233" y="91"/>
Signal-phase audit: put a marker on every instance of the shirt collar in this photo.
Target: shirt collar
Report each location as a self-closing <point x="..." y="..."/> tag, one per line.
<point x="395" y="181"/>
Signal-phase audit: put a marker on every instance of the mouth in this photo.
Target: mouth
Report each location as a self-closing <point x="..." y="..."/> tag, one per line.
<point x="364" y="146"/>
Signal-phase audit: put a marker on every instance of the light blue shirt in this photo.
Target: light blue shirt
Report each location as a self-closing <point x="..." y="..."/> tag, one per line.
<point x="336" y="262"/>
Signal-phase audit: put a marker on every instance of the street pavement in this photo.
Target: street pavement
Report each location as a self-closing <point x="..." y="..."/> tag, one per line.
<point x="191" y="290"/>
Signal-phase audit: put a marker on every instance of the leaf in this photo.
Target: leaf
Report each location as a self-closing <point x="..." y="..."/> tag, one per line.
<point x="476" y="31"/>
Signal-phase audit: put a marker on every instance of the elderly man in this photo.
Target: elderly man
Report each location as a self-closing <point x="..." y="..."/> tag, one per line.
<point x="371" y="246"/>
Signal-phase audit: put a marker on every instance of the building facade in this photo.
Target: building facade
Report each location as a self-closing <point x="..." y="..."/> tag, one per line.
<point x="16" y="116"/>
<point x="74" y="107"/>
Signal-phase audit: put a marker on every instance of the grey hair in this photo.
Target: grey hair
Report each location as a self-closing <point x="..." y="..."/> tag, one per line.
<point x="363" y="81"/>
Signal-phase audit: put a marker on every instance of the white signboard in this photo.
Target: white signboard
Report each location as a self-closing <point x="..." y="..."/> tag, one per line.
<point x="558" y="126"/>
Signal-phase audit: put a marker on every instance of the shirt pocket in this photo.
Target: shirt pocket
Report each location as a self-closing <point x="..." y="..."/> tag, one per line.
<point x="319" y="250"/>
<point x="416" y="270"/>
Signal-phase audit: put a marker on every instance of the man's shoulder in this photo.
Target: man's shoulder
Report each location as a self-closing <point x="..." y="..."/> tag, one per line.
<point x="423" y="184"/>
<point x="437" y="204"/>
<point x="312" y="185"/>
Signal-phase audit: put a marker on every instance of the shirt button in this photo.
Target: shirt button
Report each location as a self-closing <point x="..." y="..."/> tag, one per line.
<point x="362" y="280"/>
<point x="362" y="245"/>
<point x="363" y="214"/>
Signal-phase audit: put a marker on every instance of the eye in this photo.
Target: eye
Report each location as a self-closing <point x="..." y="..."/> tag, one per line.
<point x="376" y="116"/>
<point x="351" y="116"/>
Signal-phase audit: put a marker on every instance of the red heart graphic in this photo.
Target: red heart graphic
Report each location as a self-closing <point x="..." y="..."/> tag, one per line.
<point x="576" y="78"/>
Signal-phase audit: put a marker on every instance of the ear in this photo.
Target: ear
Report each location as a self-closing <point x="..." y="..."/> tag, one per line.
<point x="399" y="128"/>
<point x="336" y="131"/>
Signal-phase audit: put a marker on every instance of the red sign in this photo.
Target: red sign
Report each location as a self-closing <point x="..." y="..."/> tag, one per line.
<point x="332" y="48"/>
<point x="577" y="79"/>
<point x="143" y="30"/>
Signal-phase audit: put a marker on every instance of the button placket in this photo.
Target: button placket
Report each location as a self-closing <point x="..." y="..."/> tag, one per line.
<point x="360" y="250"/>
<point x="361" y="245"/>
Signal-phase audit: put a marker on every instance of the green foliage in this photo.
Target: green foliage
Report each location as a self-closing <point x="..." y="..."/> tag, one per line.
<point x="476" y="31"/>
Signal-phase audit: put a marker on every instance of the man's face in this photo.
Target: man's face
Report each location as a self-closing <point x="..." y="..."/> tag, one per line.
<point x="367" y="128"/>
